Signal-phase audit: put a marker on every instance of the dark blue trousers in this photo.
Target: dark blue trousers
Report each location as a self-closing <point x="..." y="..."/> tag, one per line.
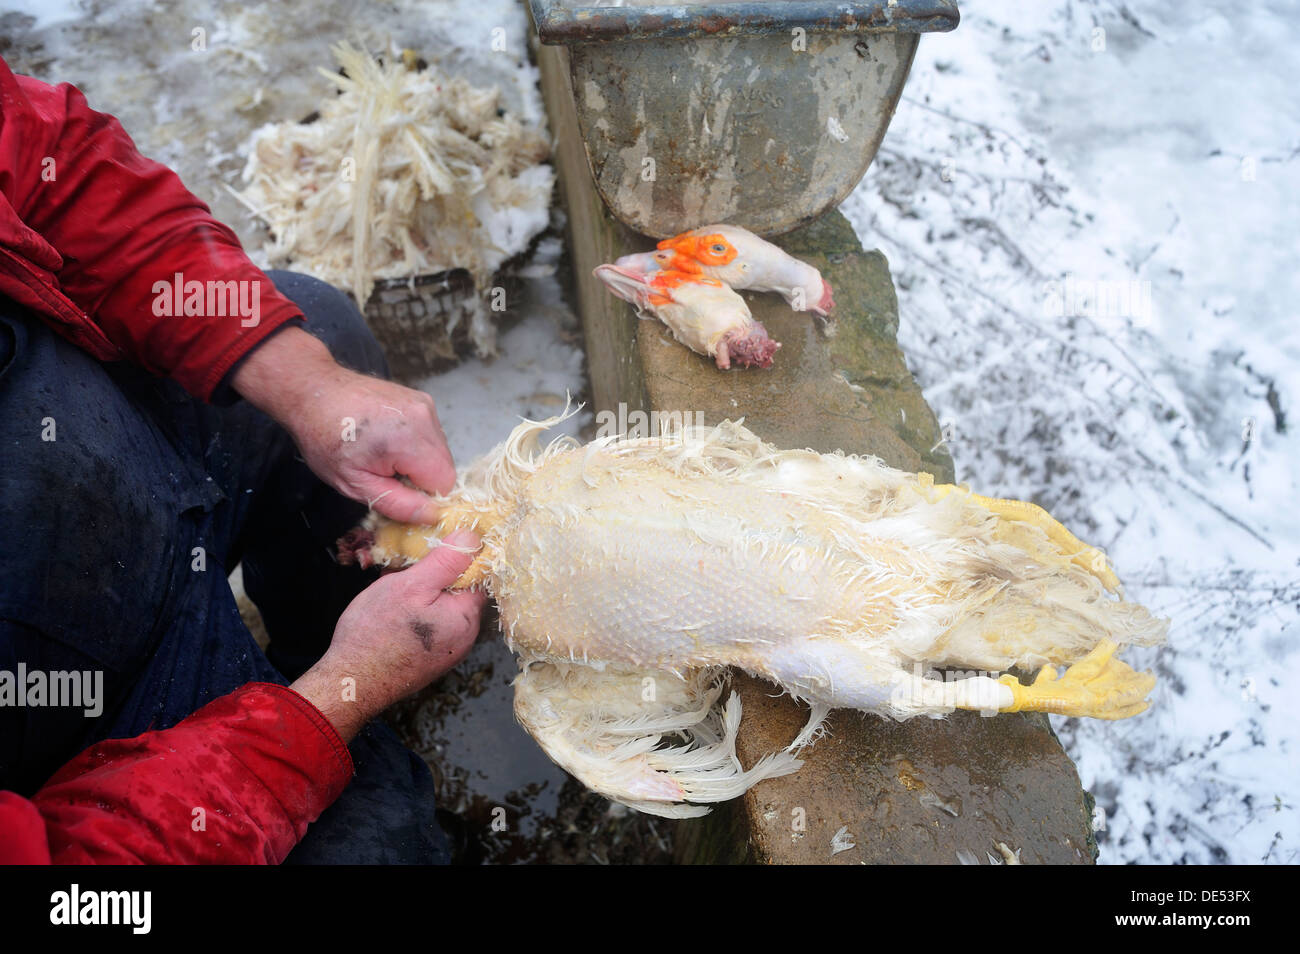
<point x="124" y="504"/>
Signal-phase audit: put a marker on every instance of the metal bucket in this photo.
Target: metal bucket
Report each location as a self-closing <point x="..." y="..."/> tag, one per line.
<point x="760" y="114"/>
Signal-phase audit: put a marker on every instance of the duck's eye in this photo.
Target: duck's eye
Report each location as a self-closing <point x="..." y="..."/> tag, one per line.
<point x="718" y="248"/>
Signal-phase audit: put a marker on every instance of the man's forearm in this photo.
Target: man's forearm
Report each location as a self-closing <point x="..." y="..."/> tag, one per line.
<point x="257" y="765"/>
<point x="285" y="372"/>
<point x="356" y="432"/>
<point x="323" y="688"/>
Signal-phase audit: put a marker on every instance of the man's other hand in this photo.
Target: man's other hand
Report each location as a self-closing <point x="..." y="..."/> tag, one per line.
<point x="401" y="633"/>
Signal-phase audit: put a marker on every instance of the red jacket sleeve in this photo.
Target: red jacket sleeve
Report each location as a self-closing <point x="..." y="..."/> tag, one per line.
<point x="124" y="226"/>
<point x="238" y="782"/>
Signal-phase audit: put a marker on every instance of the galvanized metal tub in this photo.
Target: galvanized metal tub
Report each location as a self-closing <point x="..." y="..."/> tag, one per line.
<point x="761" y="114"/>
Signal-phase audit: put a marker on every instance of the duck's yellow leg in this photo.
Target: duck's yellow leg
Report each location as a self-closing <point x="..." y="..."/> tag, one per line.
<point x="1098" y="686"/>
<point x="401" y="544"/>
<point x="1081" y="554"/>
<point x="473" y="576"/>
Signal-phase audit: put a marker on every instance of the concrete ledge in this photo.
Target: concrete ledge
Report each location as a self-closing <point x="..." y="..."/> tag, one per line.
<point x="923" y="791"/>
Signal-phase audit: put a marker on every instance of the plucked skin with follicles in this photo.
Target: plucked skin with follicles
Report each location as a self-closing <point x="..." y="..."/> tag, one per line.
<point x="631" y="572"/>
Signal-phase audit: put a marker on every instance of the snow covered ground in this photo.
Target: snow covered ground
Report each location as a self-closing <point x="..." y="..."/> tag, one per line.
<point x="1090" y="210"/>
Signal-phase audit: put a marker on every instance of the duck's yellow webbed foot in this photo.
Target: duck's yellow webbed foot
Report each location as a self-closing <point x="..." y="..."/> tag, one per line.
<point x="1098" y="686"/>
<point x="1081" y="554"/>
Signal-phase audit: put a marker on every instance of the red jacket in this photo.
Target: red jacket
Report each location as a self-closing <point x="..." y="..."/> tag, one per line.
<point x="89" y="229"/>
<point x="237" y="782"/>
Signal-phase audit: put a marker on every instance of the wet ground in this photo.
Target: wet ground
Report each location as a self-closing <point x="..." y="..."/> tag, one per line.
<point x="502" y="800"/>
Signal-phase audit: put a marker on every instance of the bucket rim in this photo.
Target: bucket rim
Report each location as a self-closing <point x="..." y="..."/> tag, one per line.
<point x="558" y="23"/>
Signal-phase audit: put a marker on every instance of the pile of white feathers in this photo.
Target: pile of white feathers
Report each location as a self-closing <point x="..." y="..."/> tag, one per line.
<point x="406" y="171"/>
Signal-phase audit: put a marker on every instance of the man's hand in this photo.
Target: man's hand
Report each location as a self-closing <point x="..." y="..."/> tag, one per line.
<point x="403" y="631"/>
<point x="355" y="432"/>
